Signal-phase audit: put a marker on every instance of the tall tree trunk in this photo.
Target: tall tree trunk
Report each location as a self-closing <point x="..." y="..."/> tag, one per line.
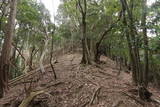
<point x="133" y="67"/>
<point x="134" y="43"/>
<point x="86" y="58"/>
<point x="51" y="56"/>
<point x="145" y="38"/>
<point x="6" y="49"/>
<point x="143" y="93"/>
<point x="133" y="47"/>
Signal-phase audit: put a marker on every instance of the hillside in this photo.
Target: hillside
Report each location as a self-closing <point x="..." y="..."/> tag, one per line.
<point x="77" y="86"/>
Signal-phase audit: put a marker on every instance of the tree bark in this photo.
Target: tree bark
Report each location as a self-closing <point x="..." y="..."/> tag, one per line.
<point x="140" y="76"/>
<point x="98" y="43"/>
<point x="133" y="47"/>
<point x="145" y="39"/>
<point x="6" y="49"/>
<point x="31" y="58"/>
<point x="102" y="37"/>
<point x="51" y="56"/>
<point x="86" y="57"/>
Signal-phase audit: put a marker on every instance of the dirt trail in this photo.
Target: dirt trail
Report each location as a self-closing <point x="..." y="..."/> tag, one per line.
<point x="80" y="86"/>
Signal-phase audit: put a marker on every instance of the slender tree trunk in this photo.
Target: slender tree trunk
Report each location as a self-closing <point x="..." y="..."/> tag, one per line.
<point x="86" y="58"/>
<point x="133" y="48"/>
<point x="134" y="43"/>
<point x="102" y="37"/>
<point x="44" y="52"/>
<point x="31" y="58"/>
<point x="133" y="67"/>
<point x="51" y="57"/>
<point x="143" y="93"/>
<point x="145" y="39"/>
<point x="13" y="62"/>
<point x="6" y="49"/>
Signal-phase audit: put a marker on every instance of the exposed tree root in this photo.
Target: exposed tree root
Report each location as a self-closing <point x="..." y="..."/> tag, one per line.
<point x="85" y="104"/>
<point x="24" y="82"/>
<point x="52" y="85"/>
<point x="134" y="98"/>
<point x="104" y="73"/>
<point x="144" y="94"/>
<point x="29" y="98"/>
<point x="117" y="104"/>
<point x="156" y="101"/>
<point x="94" y="95"/>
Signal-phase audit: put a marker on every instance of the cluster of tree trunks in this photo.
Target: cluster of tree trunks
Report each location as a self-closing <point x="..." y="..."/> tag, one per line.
<point x="91" y="49"/>
<point x="91" y="52"/>
<point x="139" y="75"/>
<point x="85" y="49"/>
<point x="131" y="34"/>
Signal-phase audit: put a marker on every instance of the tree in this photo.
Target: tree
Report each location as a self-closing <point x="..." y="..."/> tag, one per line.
<point x="145" y="39"/>
<point x="86" y="57"/>
<point x="132" y="42"/>
<point x="6" y="49"/>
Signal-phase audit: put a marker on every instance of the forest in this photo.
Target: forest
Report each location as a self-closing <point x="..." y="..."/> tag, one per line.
<point x="90" y="53"/>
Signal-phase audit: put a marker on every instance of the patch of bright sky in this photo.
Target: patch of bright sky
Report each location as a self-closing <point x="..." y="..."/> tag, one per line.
<point x="150" y="2"/>
<point x="52" y="6"/>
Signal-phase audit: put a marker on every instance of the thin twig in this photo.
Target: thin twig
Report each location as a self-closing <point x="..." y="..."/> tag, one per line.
<point x="18" y="51"/>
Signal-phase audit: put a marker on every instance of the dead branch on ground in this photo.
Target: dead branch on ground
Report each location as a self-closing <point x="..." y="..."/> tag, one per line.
<point x="95" y="95"/>
<point x="26" y="101"/>
<point x="26" y="75"/>
<point x="155" y="100"/>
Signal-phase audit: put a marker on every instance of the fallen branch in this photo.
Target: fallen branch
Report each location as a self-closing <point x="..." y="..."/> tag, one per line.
<point x="29" y="98"/>
<point x="56" y="84"/>
<point x="155" y="100"/>
<point x="47" y="87"/>
<point x="26" y="75"/>
<point x="95" y="95"/>
<point x="24" y="82"/>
